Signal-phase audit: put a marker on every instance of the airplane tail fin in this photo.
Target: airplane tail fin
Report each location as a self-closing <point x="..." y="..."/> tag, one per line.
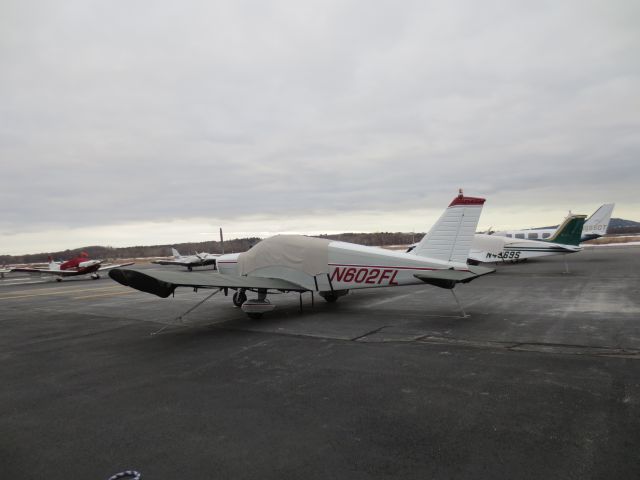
<point x="53" y="265"/>
<point x="175" y="253"/>
<point x="569" y="232"/>
<point x="450" y="238"/>
<point x="598" y="223"/>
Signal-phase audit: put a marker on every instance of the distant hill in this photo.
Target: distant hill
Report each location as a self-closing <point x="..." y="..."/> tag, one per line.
<point x="230" y="246"/>
<point x="616" y="226"/>
<point x="619" y="225"/>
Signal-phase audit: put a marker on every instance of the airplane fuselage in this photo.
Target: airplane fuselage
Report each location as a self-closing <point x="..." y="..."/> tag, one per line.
<point x="492" y="248"/>
<point x="350" y="267"/>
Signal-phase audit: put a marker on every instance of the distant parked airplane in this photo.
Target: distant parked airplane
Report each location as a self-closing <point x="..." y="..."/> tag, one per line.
<point x="594" y="227"/>
<point x="80" y="265"/>
<point x="189" y="261"/>
<point x="494" y="248"/>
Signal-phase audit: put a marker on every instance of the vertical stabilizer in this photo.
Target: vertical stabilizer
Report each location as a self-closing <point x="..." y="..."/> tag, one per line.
<point x="175" y="253"/>
<point x="451" y="236"/>
<point x="53" y="265"/>
<point x="570" y="232"/>
<point x="598" y="223"/>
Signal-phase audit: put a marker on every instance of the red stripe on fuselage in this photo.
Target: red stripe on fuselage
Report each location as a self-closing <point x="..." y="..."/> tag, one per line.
<point x="386" y="266"/>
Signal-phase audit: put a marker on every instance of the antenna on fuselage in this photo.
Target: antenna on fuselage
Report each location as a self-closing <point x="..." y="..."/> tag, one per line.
<point x="221" y="241"/>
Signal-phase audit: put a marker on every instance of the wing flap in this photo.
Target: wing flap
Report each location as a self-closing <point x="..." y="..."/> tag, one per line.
<point x="163" y="283"/>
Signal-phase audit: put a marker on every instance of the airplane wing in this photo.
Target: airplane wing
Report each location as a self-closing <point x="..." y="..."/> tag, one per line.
<point x="46" y="271"/>
<point x="164" y="282"/>
<point x="449" y="278"/>
<point x="111" y="267"/>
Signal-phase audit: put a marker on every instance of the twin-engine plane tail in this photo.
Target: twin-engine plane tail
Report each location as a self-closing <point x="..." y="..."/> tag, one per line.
<point x="597" y="224"/>
<point x="450" y="238"/>
<point x="570" y="232"/>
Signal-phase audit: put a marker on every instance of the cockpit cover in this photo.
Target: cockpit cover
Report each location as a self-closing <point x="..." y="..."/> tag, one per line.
<point x="306" y="254"/>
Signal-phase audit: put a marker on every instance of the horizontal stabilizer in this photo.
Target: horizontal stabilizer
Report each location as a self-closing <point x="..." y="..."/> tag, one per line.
<point x="449" y="278"/>
<point x="163" y="283"/>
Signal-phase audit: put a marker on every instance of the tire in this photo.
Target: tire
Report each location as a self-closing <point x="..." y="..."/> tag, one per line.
<point x="239" y="298"/>
<point x="330" y="298"/>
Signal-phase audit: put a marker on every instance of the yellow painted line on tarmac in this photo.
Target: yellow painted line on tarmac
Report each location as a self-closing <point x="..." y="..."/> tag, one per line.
<point x="112" y="294"/>
<point x="61" y="292"/>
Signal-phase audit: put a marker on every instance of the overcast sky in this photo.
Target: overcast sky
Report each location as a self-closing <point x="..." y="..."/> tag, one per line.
<point x="145" y="122"/>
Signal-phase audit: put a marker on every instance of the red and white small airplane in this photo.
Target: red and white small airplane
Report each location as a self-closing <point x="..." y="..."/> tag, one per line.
<point x="298" y="263"/>
<point x="80" y="265"/>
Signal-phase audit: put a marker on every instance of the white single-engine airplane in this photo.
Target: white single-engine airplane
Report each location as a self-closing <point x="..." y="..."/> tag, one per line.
<point x="189" y="261"/>
<point x="298" y="263"/>
<point x="80" y="265"/>
<point x="594" y="227"/>
<point x="493" y="248"/>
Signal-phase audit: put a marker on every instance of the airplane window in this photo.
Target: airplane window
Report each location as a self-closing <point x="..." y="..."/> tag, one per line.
<point x="519" y="235"/>
<point x="546" y="235"/>
<point x="509" y="235"/>
<point x="533" y="235"/>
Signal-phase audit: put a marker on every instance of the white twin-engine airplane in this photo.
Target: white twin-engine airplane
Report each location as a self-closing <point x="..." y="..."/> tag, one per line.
<point x="298" y="263"/>
<point x="494" y="248"/>
<point x="189" y="261"/>
<point x="196" y="260"/>
<point x="594" y="227"/>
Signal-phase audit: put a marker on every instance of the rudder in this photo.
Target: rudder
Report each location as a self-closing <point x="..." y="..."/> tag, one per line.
<point x="570" y="232"/>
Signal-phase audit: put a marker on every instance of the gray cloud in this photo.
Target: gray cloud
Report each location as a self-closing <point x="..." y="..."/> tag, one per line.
<point x="119" y="112"/>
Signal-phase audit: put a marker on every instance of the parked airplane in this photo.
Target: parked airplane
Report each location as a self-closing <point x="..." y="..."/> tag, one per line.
<point x="80" y="265"/>
<point x="594" y="227"/>
<point x="189" y="261"/>
<point x="304" y="264"/>
<point x="4" y="271"/>
<point x="493" y="248"/>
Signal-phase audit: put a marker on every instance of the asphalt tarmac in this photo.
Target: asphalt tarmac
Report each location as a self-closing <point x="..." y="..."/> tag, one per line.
<point x="541" y="381"/>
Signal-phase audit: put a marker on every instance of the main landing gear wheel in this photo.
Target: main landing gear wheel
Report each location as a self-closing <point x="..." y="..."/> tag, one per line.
<point x="58" y="279"/>
<point x="95" y="276"/>
<point x="239" y="298"/>
<point x="330" y="298"/>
